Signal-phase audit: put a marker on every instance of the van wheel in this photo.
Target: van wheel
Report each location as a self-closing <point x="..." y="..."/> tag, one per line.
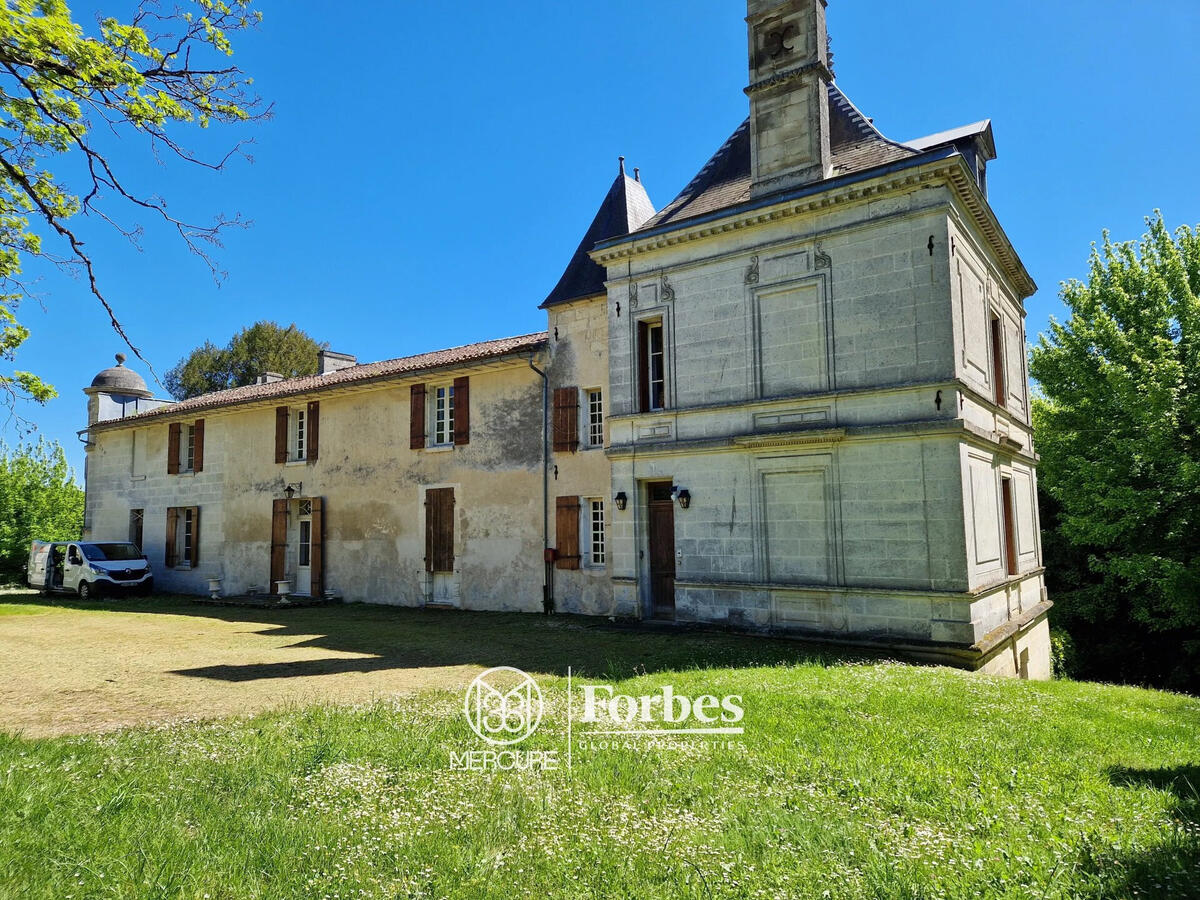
<point x="85" y="591"/>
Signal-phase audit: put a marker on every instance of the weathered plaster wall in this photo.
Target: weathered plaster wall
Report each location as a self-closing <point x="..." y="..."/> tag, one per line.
<point x="373" y="486"/>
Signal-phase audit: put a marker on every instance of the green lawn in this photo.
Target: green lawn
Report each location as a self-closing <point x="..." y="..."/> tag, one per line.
<point x="855" y="778"/>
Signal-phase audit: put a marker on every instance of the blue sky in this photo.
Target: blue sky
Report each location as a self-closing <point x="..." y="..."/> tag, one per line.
<point x="428" y="172"/>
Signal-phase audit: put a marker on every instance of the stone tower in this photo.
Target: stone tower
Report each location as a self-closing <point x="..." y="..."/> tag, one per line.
<point x="789" y="94"/>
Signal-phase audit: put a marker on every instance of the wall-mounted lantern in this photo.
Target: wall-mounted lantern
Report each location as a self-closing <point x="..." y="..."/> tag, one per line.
<point x="684" y="497"/>
<point x="621" y="500"/>
<point x="292" y="489"/>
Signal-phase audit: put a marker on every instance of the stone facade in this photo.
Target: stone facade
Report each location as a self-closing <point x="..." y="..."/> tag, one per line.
<point x="794" y="400"/>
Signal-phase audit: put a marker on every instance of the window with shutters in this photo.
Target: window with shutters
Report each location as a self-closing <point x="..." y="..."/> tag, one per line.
<point x="652" y="366"/>
<point x="595" y="412"/>
<point x="443" y="415"/>
<point x="185" y="448"/>
<point x="594" y="510"/>
<point x="183" y="537"/>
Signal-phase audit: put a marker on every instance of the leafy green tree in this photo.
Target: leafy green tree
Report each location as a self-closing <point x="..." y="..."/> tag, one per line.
<point x="60" y="87"/>
<point x="39" y="500"/>
<point x="263" y="347"/>
<point x="1117" y="426"/>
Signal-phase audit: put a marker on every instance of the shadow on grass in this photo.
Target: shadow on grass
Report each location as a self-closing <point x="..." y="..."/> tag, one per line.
<point x="1170" y="870"/>
<point x="394" y="637"/>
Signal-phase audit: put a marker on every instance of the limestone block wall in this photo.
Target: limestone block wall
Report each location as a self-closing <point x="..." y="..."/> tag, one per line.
<point x="852" y="299"/>
<point x="579" y="359"/>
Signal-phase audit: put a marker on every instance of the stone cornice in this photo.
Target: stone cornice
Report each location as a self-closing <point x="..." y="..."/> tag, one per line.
<point x="791" y="74"/>
<point x="943" y="166"/>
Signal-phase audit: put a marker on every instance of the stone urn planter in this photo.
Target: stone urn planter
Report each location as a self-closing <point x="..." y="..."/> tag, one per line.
<point x="214" y="588"/>
<point x="283" y="588"/>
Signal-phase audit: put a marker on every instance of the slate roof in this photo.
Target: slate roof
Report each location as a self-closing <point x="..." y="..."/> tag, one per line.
<point x="309" y="384"/>
<point x="624" y="210"/>
<point x="724" y="181"/>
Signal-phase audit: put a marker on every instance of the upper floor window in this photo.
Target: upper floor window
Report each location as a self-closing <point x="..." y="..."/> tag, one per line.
<point x="652" y="366"/>
<point x="997" y="336"/>
<point x="185" y="447"/>
<point x="443" y="414"/>
<point x="297" y="432"/>
<point x="299" y="435"/>
<point x="189" y="453"/>
<point x="595" y="409"/>
<point x="440" y="415"/>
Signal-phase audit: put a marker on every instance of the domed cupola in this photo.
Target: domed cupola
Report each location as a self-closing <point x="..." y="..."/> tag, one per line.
<point x="116" y="392"/>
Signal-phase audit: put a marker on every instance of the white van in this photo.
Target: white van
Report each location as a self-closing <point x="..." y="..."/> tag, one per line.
<point x="88" y="568"/>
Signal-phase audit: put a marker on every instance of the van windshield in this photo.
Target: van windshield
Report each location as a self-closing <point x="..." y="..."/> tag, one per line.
<point x="97" y="552"/>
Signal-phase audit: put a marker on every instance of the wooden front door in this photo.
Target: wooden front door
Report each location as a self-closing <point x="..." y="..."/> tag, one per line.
<point x="439" y="545"/>
<point x="661" y="519"/>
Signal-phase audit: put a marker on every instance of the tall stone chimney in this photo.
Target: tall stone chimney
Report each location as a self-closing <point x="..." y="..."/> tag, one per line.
<point x="789" y="99"/>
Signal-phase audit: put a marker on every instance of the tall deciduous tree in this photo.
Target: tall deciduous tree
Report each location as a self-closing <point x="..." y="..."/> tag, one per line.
<point x="60" y="88"/>
<point x="1118" y="428"/>
<point x="39" y="500"/>
<point x="263" y="347"/>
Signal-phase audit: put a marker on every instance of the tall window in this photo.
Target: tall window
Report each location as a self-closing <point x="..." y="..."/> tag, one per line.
<point x="188" y="535"/>
<point x="596" y="532"/>
<point x="652" y="366"/>
<point x="1010" y="528"/>
<point x="299" y="434"/>
<point x="443" y="415"/>
<point x="189" y="448"/>
<point x="137" y="518"/>
<point x="305" y="554"/>
<point x="595" y="418"/>
<point x="998" y="359"/>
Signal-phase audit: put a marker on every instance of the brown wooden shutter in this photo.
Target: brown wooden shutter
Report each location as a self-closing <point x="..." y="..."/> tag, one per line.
<point x="173" y="431"/>
<point x="198" y="451"/>
<point x="281" y="434"/>
<point x="439" y="530"/>
<point x="195" y="557"/>
<point x="317" y="553"/>
<point x="416" y="418"/>
<point x="643" y="367"/>
<point x="566" y="529"/>
<point x="312" y="422"/>
<point x="279" y="523"/>
<point x="462" y="410"/>
<point x="566" y="419"/>
<point x="172" y="528"/>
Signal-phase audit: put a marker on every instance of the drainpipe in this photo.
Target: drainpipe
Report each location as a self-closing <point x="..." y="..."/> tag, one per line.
<point x="548" y="567"/>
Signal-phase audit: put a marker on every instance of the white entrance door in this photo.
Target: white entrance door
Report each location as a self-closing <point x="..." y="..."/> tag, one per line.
<point x="304" y="549"/>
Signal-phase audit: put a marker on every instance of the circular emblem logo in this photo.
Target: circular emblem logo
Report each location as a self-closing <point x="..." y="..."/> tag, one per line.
<point x="503" y="705"/>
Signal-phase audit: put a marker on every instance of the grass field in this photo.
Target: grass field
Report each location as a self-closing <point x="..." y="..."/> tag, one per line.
<point x="854" y="778"/>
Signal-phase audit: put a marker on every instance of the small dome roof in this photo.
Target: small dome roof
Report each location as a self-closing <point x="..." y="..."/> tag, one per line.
<point x="120" y="380"/>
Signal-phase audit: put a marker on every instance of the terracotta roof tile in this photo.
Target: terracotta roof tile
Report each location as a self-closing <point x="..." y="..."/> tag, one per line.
<point x="309" y="384"/>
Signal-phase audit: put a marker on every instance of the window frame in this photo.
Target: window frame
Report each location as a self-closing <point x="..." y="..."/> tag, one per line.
<point x="298" y="434"/>
<point x="442" y="430"/>
<point x="187" y="538"/>
<point x="137" y="527"/>
<point x="187" y="462"/>
<point x="648" y="330"/>
<point x="595" y="515"/>
<point x="595" y="417"/>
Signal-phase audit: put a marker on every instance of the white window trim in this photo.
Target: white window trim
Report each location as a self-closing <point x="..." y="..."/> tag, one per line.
<point x="443" y="414"/>
<point x="589" y="509"/>
<point x="591" y="443"/>
<point x="298" y="434"/>
<point x="187" y="463"/>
